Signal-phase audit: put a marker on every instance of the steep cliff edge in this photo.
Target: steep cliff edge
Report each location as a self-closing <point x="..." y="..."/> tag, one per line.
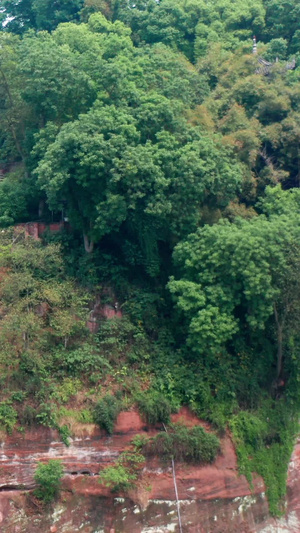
<point x="213" y="498"/>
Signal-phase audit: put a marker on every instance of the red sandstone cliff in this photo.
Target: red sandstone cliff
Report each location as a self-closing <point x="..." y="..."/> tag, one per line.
<point x="213" y="498"/>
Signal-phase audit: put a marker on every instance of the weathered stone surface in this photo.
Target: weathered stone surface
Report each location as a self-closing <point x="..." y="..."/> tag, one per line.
<point x="213" y="498"/>
<point x="93" y="514"/>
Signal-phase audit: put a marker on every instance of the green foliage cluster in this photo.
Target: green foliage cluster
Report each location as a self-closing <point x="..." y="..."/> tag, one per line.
<point x="8" y="416"/>
<point x="191" y="445"/>
<point x="190" y="27"/>
<point x="106" y="411"/>
<point x="48" y="478"/>
<point x="154" y="131"/>
<point x="84" y="359"/>
<point x="154" y="407"/>
<point x="227" y="268"/>
<point x="264" y="441"/>
<point x="124" y="474"/>
<point x="43" y="311"/>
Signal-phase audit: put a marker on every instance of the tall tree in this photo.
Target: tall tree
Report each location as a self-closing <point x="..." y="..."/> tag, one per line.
<point x="241" y="276"/>
<point x="112" y="166"/>
<point x="24" y="15"/>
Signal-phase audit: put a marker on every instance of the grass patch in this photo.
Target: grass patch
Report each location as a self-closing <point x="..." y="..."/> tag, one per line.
<point x="190" y="445"/>
<point x="80" y="423"/>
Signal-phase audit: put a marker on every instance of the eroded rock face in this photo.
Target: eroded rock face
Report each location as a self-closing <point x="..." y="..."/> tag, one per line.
<point x="213" y="498"/>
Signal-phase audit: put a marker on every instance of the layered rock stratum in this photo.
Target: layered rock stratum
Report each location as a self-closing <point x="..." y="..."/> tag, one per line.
<point x="213" y="498"/>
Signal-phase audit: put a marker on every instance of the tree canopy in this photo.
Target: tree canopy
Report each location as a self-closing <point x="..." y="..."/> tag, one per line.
<point x="236" y="276"/>
<point x="156" y="154"/>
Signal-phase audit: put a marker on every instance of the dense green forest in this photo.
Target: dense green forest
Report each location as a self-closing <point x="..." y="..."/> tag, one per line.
<point x="173" y="151"/>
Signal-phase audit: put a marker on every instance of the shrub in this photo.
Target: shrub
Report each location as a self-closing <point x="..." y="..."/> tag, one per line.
<point x="191" y="445"/>
<point x="48" y="477"/>
<point x="123" y="475"/>
<point x="8" y="416"/>
<point x="64" y="433"/>
<point x="18" y="396"/>
<point x="68" y="388"/>
<point x="83" y="359"/>
<point x="106" y="412"/>
<point x="154" y="407"/>
<point x="248" y="428"/>
<point x="47" y="416"/>
<point x="28" y="416"/>
<point x="115" y="336"/>
<point x="118" y="478"/>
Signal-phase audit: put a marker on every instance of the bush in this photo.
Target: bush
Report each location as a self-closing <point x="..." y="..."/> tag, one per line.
<point x="191" y="445"/>
<point x="48" y="477"/>
<point x="249" y="429"/>
<point x="154" y="407"/>
<point x="18" y="396"/>
<point x="68" y="388"/>
<point x="46" y="415"/>
<point x="8" y="416"/>
<point x="118" y="478"/>
<point x="64" y="433"/>
<point x="28" y="416"/>
<point x="106" y="412"/>
<point x="123" y="475"/>
<point x="84" y="359"/>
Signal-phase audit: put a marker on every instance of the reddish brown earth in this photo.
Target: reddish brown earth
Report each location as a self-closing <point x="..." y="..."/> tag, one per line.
<point x="213" y="498"/>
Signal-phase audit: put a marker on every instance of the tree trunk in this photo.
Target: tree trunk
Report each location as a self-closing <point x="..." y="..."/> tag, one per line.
<point x="88" y="245"/>
<point x="41" y="208"/>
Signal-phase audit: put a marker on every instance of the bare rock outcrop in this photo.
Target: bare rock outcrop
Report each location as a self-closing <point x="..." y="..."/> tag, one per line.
<point x="213" y="498"/>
